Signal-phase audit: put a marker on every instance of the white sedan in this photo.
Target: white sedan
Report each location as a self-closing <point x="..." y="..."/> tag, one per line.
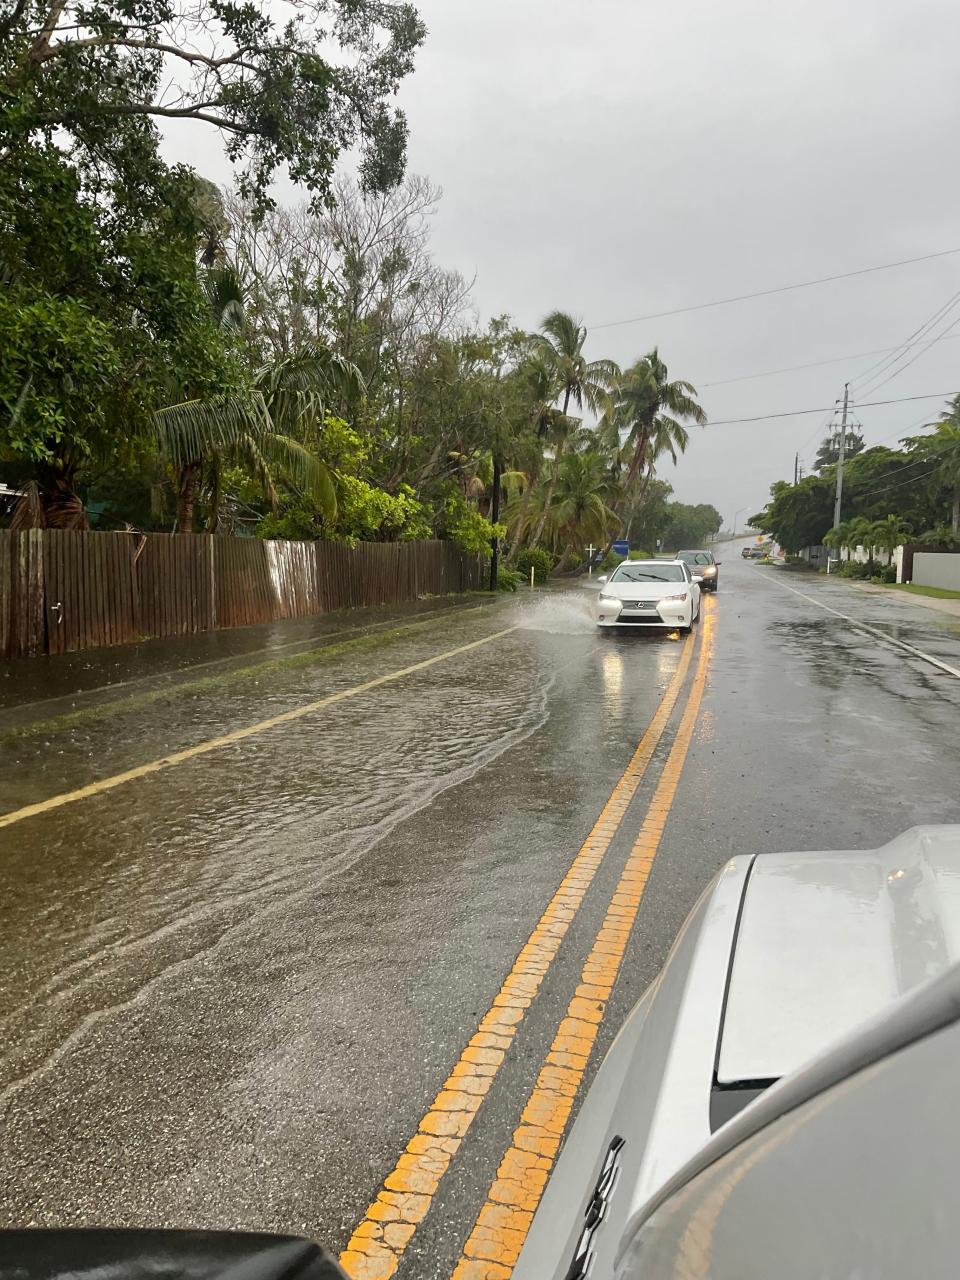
<point x="651" y="593"/>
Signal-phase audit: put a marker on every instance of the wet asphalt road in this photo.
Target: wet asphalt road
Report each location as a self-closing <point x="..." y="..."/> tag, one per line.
<point x="230" y="990"/>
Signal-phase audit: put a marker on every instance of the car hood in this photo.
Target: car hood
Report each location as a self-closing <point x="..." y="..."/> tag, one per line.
<point x="827" y="940"/>
<point x="783" y="956"/>
<point x="642" y="590"/>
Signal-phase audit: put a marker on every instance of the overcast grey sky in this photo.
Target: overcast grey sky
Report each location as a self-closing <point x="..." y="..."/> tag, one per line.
<point x="619" y="157"/>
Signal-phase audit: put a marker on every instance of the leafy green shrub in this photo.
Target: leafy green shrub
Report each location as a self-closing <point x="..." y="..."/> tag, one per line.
<point x="296" y="524"/>
<point x="508" y="579"/>
<point x="537" y="559"/>
<point x="853" y="569"/>
<point x="888" y="573"/>
<point x="369" y="514"/>
<point x="364" y="514"/>
<point x="469" y="528"/>
<point x="942" y="536"/>
<point x="610" y="561"/>
<point x="639" y="555"/>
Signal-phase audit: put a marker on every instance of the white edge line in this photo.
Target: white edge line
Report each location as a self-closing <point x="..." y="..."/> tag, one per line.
<point x="865" y="626"/>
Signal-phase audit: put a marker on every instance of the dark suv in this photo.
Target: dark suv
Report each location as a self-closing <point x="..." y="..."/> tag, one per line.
<point x="705" y="569"/>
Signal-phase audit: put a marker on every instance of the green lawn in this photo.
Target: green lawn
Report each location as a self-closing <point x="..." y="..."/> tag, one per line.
<point x="939" y="593"/>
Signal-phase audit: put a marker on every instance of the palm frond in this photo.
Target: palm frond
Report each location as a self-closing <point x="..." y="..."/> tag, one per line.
<point x="568" y="334"/>
<point x="313" y="368"/>
<point x="224" y="293"/>
<point x="190" y="431"/>
<point x="304" y="470"/>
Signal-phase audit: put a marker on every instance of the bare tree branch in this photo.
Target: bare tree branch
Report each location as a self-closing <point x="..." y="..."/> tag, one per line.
<point x="234" y="59"/>
<point x="193" y="112"/>
<point x="42" y="42"/>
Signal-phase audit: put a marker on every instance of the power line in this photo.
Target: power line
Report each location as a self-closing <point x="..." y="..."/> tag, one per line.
<point x="784" y="288"/>
<point x="875" y="385"/>
<point x="814" y="364"/>
<point x="900" y="483"/>
<point x="903" y="432"/>
<point x="796" y="413"/>
<point x="873" y="376"/>
<point x="867" y="374"/>
<point x="821" y="430"/>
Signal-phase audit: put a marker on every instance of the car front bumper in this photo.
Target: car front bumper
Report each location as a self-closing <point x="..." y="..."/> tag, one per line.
<point x="663" y="616"/>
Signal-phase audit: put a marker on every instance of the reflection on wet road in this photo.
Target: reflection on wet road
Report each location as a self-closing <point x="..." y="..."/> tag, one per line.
<point x="230" y="990"/>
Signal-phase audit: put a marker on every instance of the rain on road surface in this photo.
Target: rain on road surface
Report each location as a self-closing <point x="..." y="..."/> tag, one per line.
<point x="230" y="990"/>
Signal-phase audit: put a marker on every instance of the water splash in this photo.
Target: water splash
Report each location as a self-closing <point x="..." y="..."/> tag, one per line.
<point x="563" y="613"/>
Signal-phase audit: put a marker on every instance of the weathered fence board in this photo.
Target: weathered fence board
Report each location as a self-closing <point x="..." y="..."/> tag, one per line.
<point x="62" y="591"/>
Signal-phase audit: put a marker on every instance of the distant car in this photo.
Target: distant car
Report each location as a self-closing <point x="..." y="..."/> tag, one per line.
<point x="649" y="593"/>
<point x="747" y="553"/>
<point x="782" y="1100"/>
<point x="754" y="552"/>
<point x="703" y="566"/>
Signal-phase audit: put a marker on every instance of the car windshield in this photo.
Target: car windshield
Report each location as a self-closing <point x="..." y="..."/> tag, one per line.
<point x="648" y="571"/>
<point x="695" y="557"/>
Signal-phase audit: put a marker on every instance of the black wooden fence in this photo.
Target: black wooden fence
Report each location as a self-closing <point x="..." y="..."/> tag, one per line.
<point x="61" y="591"/>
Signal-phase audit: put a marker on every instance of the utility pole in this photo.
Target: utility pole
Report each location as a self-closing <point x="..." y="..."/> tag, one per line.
<point x="796" y="467"/>
<point x="843" y="449"/>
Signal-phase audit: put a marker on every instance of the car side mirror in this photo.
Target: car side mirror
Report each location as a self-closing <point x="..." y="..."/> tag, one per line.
<point x="602" y="579"/>
<point x="718" y="563"/>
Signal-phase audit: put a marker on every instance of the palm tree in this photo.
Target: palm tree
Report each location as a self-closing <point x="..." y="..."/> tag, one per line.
<point x="860" y="531"/>
<point x="537" y="374"/>
<point x="646" y="411"/>
<point x="270" y="429"/>
<point x="839" y="536"/>
<point x="578" y="510"/>
<point x="586" y="383"/>
<point x="649" y="409"/>
<point x="888" y="534"/>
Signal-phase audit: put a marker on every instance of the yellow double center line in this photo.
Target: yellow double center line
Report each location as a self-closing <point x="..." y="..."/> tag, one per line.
<point x="377" y="1244"/>
<point x="502" y="1224"/>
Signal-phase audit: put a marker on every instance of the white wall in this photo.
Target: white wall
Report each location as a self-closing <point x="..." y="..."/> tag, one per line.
<point x="937" y="569"/>
<point x="861" y="555"/>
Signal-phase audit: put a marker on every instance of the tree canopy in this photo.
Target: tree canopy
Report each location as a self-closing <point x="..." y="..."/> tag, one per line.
<point x="293" y="84"/>
<point x="184" y="357"/>
<point x="916" y="488"/>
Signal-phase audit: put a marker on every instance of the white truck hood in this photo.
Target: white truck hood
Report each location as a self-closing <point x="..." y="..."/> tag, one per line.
<point x="827" y="940"/>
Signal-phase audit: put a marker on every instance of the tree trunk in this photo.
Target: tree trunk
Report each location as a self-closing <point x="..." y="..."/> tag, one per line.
<point x="552" y="486"/>
<point x="639" y="498"/>
<point x="51" y="502"/>
<point x="956" y="509"/>
<point x="494" y="519"/>
<point x="216" y="496"/>
<point x="188" y="479"/>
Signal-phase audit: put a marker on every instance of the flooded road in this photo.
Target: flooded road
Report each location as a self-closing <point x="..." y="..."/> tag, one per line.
<point x="231" y="986"/>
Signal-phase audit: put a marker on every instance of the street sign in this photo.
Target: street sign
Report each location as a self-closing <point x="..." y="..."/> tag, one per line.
<point x="621" y="547"/>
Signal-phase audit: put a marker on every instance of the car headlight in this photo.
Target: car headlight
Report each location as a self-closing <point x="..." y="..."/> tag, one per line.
<point x="609" y="602"/>
<point x="667" y="599"/>
<point x="710" y="571"/>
